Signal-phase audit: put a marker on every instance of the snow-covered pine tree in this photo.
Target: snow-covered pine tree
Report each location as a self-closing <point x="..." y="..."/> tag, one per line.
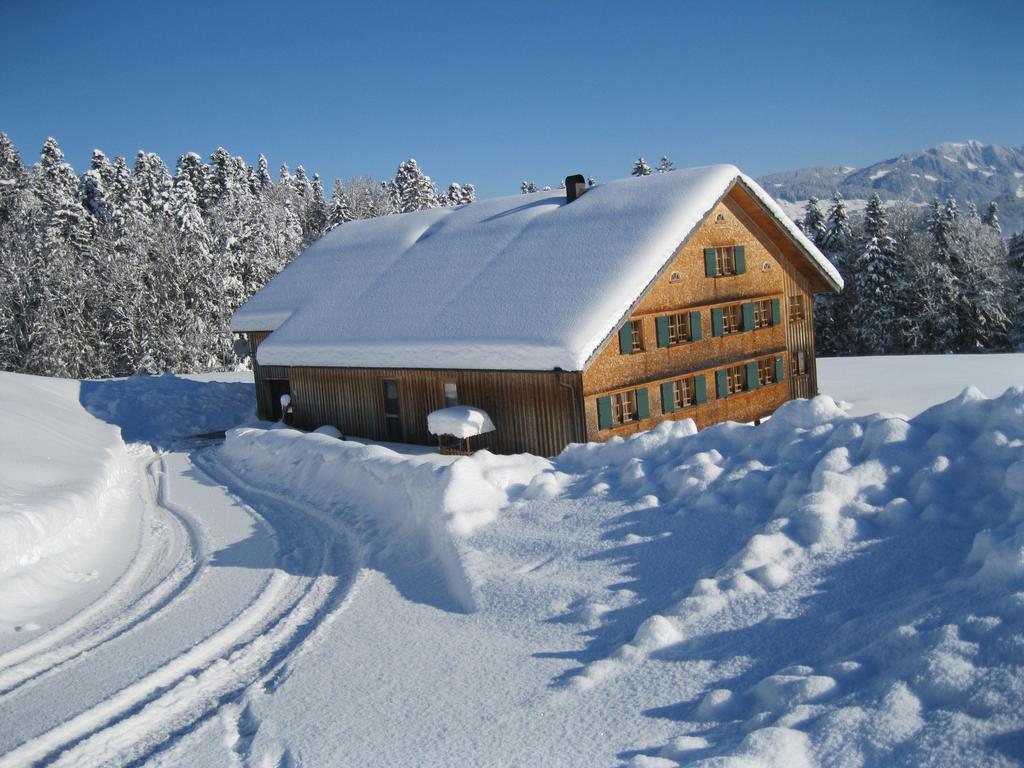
<point x="153" y="181"/>
<point x="58" y="327"/>
<point x="991" y="217"/>
<point x="838" y="234"/>
<point x="878" y="276"/>
<point x="414" y="190"/>
<point x="263" y="179"/>
<point x="316" y="211"/>
<point x="640" y="167"/>
<point x="1015" y="259"/>
<point x="339" y="212"/>
<point x="665" y="165"/>
<point x="941" y="311"/>
<point x="452" y="196"/>
<point x="813" y="223"/>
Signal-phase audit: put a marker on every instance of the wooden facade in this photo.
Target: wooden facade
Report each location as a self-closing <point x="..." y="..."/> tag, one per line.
<point x="769" y="274"/>
<point x="767" y="303"/>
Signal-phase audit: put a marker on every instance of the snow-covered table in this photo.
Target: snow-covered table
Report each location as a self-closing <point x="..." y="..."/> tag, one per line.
<point x="461" y="422"/>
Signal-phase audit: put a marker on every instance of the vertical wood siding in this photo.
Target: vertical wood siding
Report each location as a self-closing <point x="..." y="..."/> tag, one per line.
<point x="263" y="375"/>
<point x="530" y="411"/>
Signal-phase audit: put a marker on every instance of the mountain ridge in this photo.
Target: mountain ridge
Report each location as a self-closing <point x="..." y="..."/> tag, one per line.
<point x="970" y="171"/>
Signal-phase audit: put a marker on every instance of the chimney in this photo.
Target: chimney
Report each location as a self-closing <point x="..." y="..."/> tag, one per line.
<point x="574" y="187"/>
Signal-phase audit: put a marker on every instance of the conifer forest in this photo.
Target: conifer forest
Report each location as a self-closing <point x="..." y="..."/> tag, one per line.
<point x="134" y="269"/>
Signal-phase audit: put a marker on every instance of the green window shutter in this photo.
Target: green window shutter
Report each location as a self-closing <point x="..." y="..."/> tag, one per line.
<point x="780" y="369"/>
<point x="752" y="382"/>
<point x="710" y="262"/>
<point x="717" y="322"/>
<point x="626" y="338"/>
<point x="721" y="388"/>
<point x="604" y="412"/>
<point x="696" y="332"/>
<point x="700" y="389"/>
<point x="741" y="259"/>
<point x="668" y="397"/>
<point x="643" y="407"/>
<point x="661" y="324"/>
<point x="748" y="316"/>
<point x="776" y="312"/>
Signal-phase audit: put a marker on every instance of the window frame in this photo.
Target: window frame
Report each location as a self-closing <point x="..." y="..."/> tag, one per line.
<point x="684" y="393"/>
<point x="736" y="379"/>
<point x="732" y="319"/>
<point x="725" y="261"/>
<point x="762" y="313"/>
<point x="624" y="409"/>
<point x="797" y="311"/>
<point x="679" y="331"/>
<point x="453" y="399"/>
<point x="766" y="371"/>
<point x="636" y="332"/>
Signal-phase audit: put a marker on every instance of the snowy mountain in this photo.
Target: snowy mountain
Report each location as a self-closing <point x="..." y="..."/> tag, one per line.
<point x="969" y="171"/>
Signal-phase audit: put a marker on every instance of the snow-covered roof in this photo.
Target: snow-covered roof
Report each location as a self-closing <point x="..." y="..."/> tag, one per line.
<point x="526" y="282"/>
<point x="460" y="421"/>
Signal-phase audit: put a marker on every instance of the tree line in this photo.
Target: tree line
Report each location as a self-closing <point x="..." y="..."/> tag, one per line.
<point x="135" y="269"/>
<point x="919" y="280"/>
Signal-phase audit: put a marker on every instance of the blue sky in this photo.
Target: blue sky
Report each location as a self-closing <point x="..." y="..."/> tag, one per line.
<point x="495" y="93"/>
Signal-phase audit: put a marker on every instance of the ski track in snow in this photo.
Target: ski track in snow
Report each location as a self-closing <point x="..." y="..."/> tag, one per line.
<point x="311" y="579"/>
<point x="140" y="593"/>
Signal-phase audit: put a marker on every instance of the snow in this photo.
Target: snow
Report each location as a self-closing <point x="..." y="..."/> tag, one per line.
<point x="460" y="421"/>
<point x="880" y="174"/>
<point x="529" y="283"/>
<point x="841" y="585"/>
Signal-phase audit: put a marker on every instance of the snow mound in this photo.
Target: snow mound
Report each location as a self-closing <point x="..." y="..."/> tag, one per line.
<point x="809" y="495"/>
<point x="460" y="421"/>
<point x="411" y="509"/>
<point x="163" y="410"/>
<point x="59" y="465"/>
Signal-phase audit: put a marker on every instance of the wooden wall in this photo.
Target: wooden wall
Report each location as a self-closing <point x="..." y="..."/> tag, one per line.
<point x="268" y="379"/>
<point x="774" y="270"/>
<point x="530" y="411"/>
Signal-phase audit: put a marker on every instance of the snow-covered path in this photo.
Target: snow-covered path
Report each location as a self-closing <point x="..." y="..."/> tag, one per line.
<point x="216" y="598"/>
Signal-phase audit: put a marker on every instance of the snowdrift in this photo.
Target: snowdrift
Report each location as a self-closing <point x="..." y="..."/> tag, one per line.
<point x="835" y="590"/>
<point x="407" y="509"/>
<point x="59" y="465"/>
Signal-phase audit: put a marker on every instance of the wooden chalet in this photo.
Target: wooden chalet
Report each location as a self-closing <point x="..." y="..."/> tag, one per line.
<point x="568" y="316"/>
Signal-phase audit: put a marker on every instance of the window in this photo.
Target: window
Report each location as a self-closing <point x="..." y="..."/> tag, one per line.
<point x="735" y="379"/>
<point x="725" y="260"/>
<point x="637" y="335"/>
<point x="683" y="392"/>
<point x="624" y="407"/>
<point x="720" y="217"/>
<point x="763" y="313"/>
<point x="451" y="394"/>
<point x="732" y="319"/>
<point x="631" y="337"/>
<point x="675" y="277"/>
<point x="392" y="411"/>
<point x="766" y="371"/>
<point x="678" y="329"/>
<point x="799" y="364"/>
<point x="796" y="308"/>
